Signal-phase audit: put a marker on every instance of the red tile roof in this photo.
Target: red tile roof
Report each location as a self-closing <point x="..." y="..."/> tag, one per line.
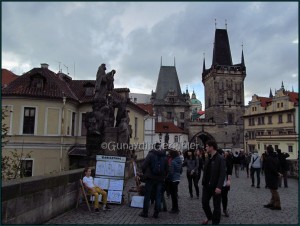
<point x="167" y="127"/>
<point x="293" y="97"/>
<point x="264" y="101"/>
<point x="54" y="86"/>
<point x="7" y="77"/>
<point x="147" y="107"/>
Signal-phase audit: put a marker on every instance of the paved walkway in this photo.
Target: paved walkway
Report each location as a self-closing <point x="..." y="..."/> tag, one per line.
<point x="245" y="207"/>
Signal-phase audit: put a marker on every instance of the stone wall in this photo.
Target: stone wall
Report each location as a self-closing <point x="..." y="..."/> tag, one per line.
<point x="35" y="200"/>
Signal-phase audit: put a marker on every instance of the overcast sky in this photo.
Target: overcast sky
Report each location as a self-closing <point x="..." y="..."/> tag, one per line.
<point x="131" y="37"/>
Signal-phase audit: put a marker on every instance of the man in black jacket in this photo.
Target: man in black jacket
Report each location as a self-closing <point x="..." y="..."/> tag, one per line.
<point x="272" y="172"/>
<point x="213" y="179"/>
<point x="154" y="181"/>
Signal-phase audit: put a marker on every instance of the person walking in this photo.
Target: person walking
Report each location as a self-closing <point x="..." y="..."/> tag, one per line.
<point x="247" y="160"/>
<point x="272" y="172"/>
<point x="212" y="181"/>
<point x="200" y="165"/>
<point x="284" y="167"/>
<point x="174" y="178"/>
<point x="255" y="167"/>
<point x="155" y="168"/>
<point x="236" y="163"/>
<point x="227" y="182"/>
<point x="192" y="165"/>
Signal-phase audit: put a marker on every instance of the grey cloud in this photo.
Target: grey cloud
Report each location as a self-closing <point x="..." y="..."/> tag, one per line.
<point x="91" y="33"/>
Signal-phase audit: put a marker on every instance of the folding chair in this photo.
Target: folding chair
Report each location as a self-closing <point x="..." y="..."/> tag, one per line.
<point x="83" y="192"/>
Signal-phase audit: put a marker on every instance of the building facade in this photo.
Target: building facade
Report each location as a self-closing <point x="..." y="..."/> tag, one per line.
<point x="273" y="121"/>
<point x="224" y="98"/>
<point x="169" y="103"/>
<point x="46" y="114"/>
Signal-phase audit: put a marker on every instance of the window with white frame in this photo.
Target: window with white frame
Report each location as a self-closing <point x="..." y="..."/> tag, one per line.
<point x="175" y="139"/>
<point x="290" y="148"/>
<point x="29" y="120"/>
<point x="83" y="128"/>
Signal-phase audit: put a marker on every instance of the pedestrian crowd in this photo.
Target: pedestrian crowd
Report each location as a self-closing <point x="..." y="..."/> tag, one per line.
<point x="162" y="170"/>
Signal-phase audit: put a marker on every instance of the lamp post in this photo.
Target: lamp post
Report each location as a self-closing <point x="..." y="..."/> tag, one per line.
<point x="160" y="136"/>
<point x="246" y="140"/>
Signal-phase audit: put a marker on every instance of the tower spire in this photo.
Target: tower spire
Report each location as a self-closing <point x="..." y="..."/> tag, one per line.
<point x="215" y="23"/>
<point x="271" y="94"/>
<point x="160" y="60"/>
<point x="242" y="60"/>
<point x="226" y="24"/>
<point x="203" y="62"/>
<point x="292" y="88"/>
<point x="282" y="86"/>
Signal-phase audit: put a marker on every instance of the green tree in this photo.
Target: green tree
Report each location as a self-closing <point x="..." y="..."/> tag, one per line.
<point x="11" y="165"/>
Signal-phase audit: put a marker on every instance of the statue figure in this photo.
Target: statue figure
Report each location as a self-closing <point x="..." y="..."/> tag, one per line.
<point x="122" y="113"/>
<point x="104" y="82"/>
<point x="124" y="132"/>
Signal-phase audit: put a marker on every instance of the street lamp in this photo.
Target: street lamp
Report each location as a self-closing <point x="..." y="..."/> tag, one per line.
<point x="160" y="136"/>
<point x="246" y="140"/>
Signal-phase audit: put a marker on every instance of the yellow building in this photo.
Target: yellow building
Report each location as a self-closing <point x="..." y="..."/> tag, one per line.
<point x="273" y="121"/>
<point x="45" y="116"/>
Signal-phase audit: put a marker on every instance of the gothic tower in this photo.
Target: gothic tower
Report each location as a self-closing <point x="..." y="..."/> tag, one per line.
<point x="169" y="103"/>
<point x="224" y="90"/>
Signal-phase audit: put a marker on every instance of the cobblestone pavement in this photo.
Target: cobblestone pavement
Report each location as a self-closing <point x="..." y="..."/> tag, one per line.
<point x="245" y="207"/>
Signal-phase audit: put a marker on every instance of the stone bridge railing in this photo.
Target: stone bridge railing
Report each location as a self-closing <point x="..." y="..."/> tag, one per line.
<point x="35" y="200"/>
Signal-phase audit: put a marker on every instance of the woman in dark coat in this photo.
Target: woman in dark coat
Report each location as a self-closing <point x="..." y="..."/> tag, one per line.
<point x="272" y="172"/>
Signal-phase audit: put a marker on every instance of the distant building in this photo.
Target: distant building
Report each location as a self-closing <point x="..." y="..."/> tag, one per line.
<point x="177" y="137"/>
<point x="195" y="108"/>
<point x="169" y="103"/>
<point x="140" y="98"/>
<point x="7" y="77"/>
<point x="273" y="121"/>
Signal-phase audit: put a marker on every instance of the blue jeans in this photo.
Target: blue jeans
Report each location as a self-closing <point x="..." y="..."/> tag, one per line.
<point x="149" y="186"/>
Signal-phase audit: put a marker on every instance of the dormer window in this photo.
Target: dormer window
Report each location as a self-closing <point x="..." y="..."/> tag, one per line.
<point x="37" y="81"/>
<point x="89" y="89"/>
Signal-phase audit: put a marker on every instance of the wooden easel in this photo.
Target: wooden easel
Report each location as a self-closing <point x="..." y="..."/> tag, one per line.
<point x="82" y="191"/>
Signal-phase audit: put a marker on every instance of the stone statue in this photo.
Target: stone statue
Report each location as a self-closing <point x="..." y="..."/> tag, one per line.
<point x="122" y="113"/>
<point x="104" y="83"/>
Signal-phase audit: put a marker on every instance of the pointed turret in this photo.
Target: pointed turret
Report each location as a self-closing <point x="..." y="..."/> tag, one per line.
<point x="271" y="94"/>
<point x="203" y="70"/>
<point x="193" y="95"/>
<point x="243" y="61"/>
<point x="221" y="53"/>
<point x="282" y="86"/>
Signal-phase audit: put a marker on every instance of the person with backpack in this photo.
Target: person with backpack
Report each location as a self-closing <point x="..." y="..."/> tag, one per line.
<point x="155" y="168"/>
<point x="255" y="167"/>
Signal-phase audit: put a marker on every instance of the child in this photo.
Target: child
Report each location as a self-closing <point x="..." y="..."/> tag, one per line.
<point x="95" y="190"/>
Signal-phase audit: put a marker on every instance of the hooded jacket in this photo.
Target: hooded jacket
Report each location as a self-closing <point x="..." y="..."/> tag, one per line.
<point x="174" y="170"/>
<point x="146" y="166"/>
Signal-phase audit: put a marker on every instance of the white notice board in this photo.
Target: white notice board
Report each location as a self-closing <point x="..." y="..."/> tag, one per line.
<point x="110" y="175"/>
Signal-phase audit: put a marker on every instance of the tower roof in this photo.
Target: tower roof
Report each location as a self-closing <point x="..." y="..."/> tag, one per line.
<point x="167" y="80"/>
<point x="222" y="53"/>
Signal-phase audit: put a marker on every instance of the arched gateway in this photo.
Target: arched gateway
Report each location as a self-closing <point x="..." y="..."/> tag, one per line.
<point x="201" y="138"/>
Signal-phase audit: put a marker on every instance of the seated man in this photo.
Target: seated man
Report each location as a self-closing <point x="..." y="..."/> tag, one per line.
<point x="95" y="190"/>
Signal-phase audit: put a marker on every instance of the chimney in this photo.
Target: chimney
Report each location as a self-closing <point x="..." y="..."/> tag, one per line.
<point x="44" y="65"/>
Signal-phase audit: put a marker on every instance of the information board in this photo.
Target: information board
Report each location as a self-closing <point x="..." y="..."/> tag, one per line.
<point x="110" y="175"/>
